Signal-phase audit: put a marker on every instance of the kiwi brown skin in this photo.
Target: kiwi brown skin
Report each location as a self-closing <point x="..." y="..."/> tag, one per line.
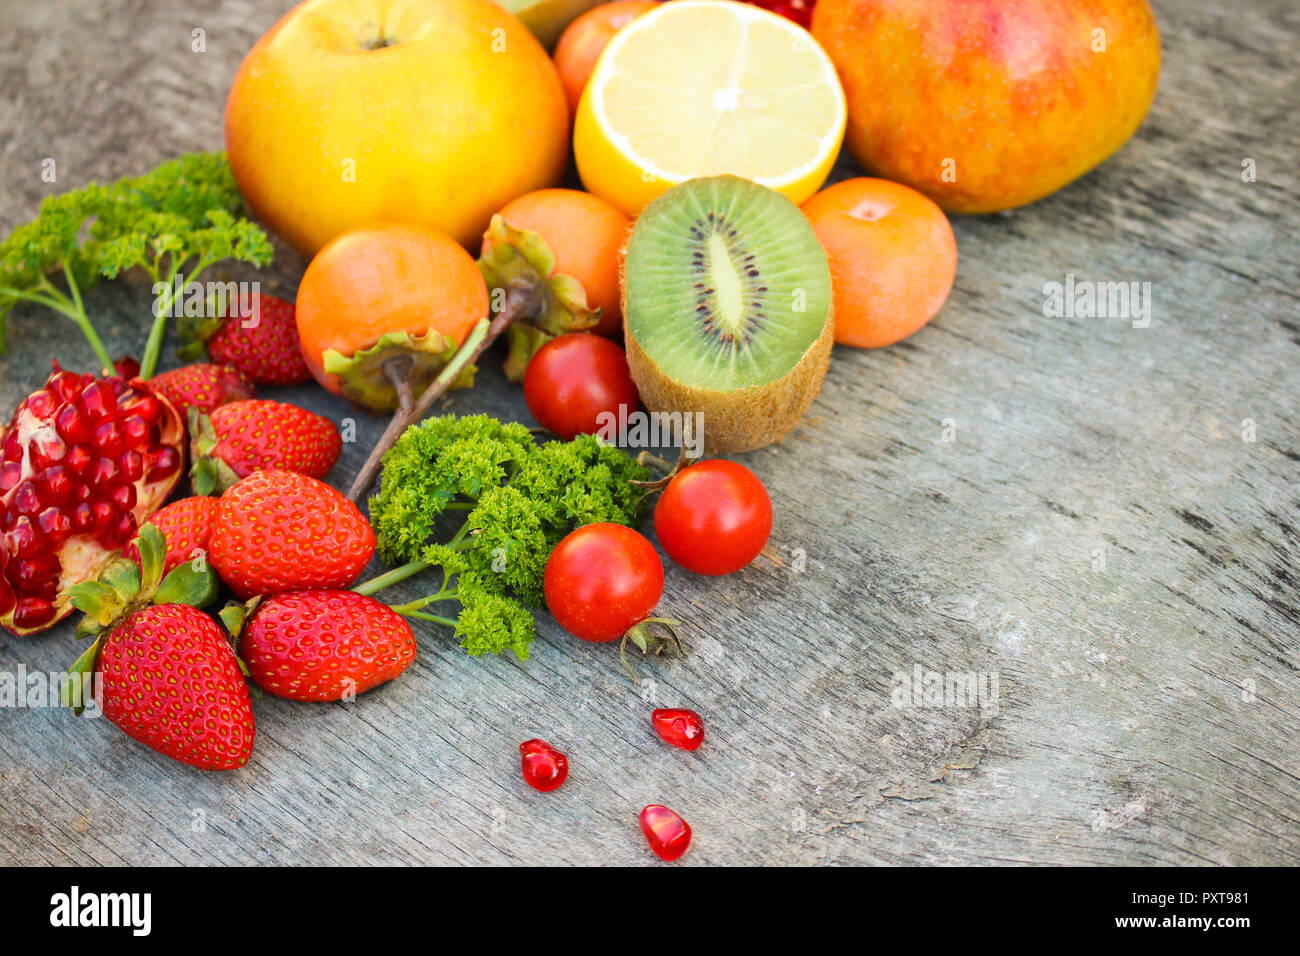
<point x="744" y="419"/>
<point x="735" y="420"/>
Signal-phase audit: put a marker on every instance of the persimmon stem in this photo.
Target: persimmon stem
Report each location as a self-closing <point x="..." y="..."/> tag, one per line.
<point x="398" y="372"/>
<point x="522" y="302"/>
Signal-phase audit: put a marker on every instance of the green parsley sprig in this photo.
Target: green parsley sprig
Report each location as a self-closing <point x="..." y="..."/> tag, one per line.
<point x="180" y="218"/>
<point x="519" y="499"/>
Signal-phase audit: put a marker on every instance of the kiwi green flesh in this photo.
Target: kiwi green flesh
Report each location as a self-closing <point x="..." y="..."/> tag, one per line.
<point x="727" y="286"/>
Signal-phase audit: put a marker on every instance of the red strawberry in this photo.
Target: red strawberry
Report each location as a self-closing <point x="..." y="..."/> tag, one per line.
<point x="186" y="526"/>
<point x="252" y="435"/>
<point x="204" y="387"/>
<point x="264" y="345"/>
<point x="83" y="463"/>
<point x="170" y="680"/>
<point x="321" y="645"/>
<point x="282" y="531"/>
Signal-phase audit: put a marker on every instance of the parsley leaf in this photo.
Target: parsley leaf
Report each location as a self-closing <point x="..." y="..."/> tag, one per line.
<point x="521" y="499"/>
<point x="180" y="218"/>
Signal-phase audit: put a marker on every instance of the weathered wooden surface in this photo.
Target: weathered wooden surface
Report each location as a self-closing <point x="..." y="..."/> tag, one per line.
<point x="1096" y="533"/>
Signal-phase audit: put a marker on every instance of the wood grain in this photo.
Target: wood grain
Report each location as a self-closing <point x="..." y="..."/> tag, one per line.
<point x="949" y="502"/>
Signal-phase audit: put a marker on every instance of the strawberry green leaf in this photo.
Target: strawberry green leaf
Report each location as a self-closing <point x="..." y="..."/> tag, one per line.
<point x="153" y="556"/>
<point x="233" y="616"/>
<point x="185" y="585"/>
<point x="123" y="576"/>
<point x="101" y="602"/>
<point x="72" y="691"/>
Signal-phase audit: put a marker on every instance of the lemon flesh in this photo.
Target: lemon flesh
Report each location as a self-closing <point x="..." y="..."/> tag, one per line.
<point x="708" y="87"/>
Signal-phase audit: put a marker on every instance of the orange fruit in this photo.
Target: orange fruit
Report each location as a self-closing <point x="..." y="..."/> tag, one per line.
<point x="585" y="234"/>
<point x="583" y="40"/>
<point x="382" y="291"/>
<point x="892" y="254"/>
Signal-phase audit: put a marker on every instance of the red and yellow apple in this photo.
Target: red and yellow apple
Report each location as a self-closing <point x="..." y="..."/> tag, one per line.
<point x="435" y="112"/>
<point x="985" y="105"/>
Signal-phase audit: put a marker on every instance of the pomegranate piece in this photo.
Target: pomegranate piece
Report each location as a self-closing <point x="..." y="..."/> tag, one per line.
<point x="83" y="463"/>
<point x="667" y="833"/>
<point x="545" y="768"/>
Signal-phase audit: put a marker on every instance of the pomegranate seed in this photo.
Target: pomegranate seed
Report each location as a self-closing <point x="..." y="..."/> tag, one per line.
<point x="105" y="515"/>
<point x="80" y="459"/>
<point x="10" y="472"/>
<point x="13" y="447"/>
<point x="127" y="367"/>
<point x="545" y="768"/>
<point x="120" y="533"/>
<point x="104" y="476"/>
<point x="73" y="424"/>
<point x="100" y="401"/>
<point x="136" y="429"/>
<point x="166" y="461"/>
<point x="48" y="451"/>
<point x="123" y="496"/>
<point x="33" y="612"/>
<point x="119" y="385"/>
<point x="26" y="537"/>
<point x="667" y="833"/>
<point x="30" y="573"/>
<point x="55" y="524"/>
<point x="109" y="439"/>
<point x="67" y="385"/>
<point x="83" y="517"/>
<point x="147" y="408"/>
<point x="7" y="597"/>
<point x="681" y="728"/>
<point x="132" y="465"/>
<point x="58" y="485"/>
<point x="43" y="403"/>
<point x="26" y="500"/>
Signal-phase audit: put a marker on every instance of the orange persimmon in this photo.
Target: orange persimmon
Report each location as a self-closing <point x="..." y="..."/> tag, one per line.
<point x="383" y="291"/>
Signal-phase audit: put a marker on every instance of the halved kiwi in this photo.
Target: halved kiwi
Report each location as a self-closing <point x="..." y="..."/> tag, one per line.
<point x="727" y="310"/>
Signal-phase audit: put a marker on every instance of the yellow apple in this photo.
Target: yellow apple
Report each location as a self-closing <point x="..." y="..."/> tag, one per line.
<point x="437" y="112"/>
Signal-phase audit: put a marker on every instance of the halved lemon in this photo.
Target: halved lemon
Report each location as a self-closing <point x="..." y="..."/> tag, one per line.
<point x="704" y="88"/>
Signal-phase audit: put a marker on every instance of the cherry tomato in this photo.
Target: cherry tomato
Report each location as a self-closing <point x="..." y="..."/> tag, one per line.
<point x="575" y="378"/>
<point x="714" y="517"/>
<point x="601" y="579"/>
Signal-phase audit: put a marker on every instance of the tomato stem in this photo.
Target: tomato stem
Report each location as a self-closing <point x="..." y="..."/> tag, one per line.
<point x="646" y="636"/>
